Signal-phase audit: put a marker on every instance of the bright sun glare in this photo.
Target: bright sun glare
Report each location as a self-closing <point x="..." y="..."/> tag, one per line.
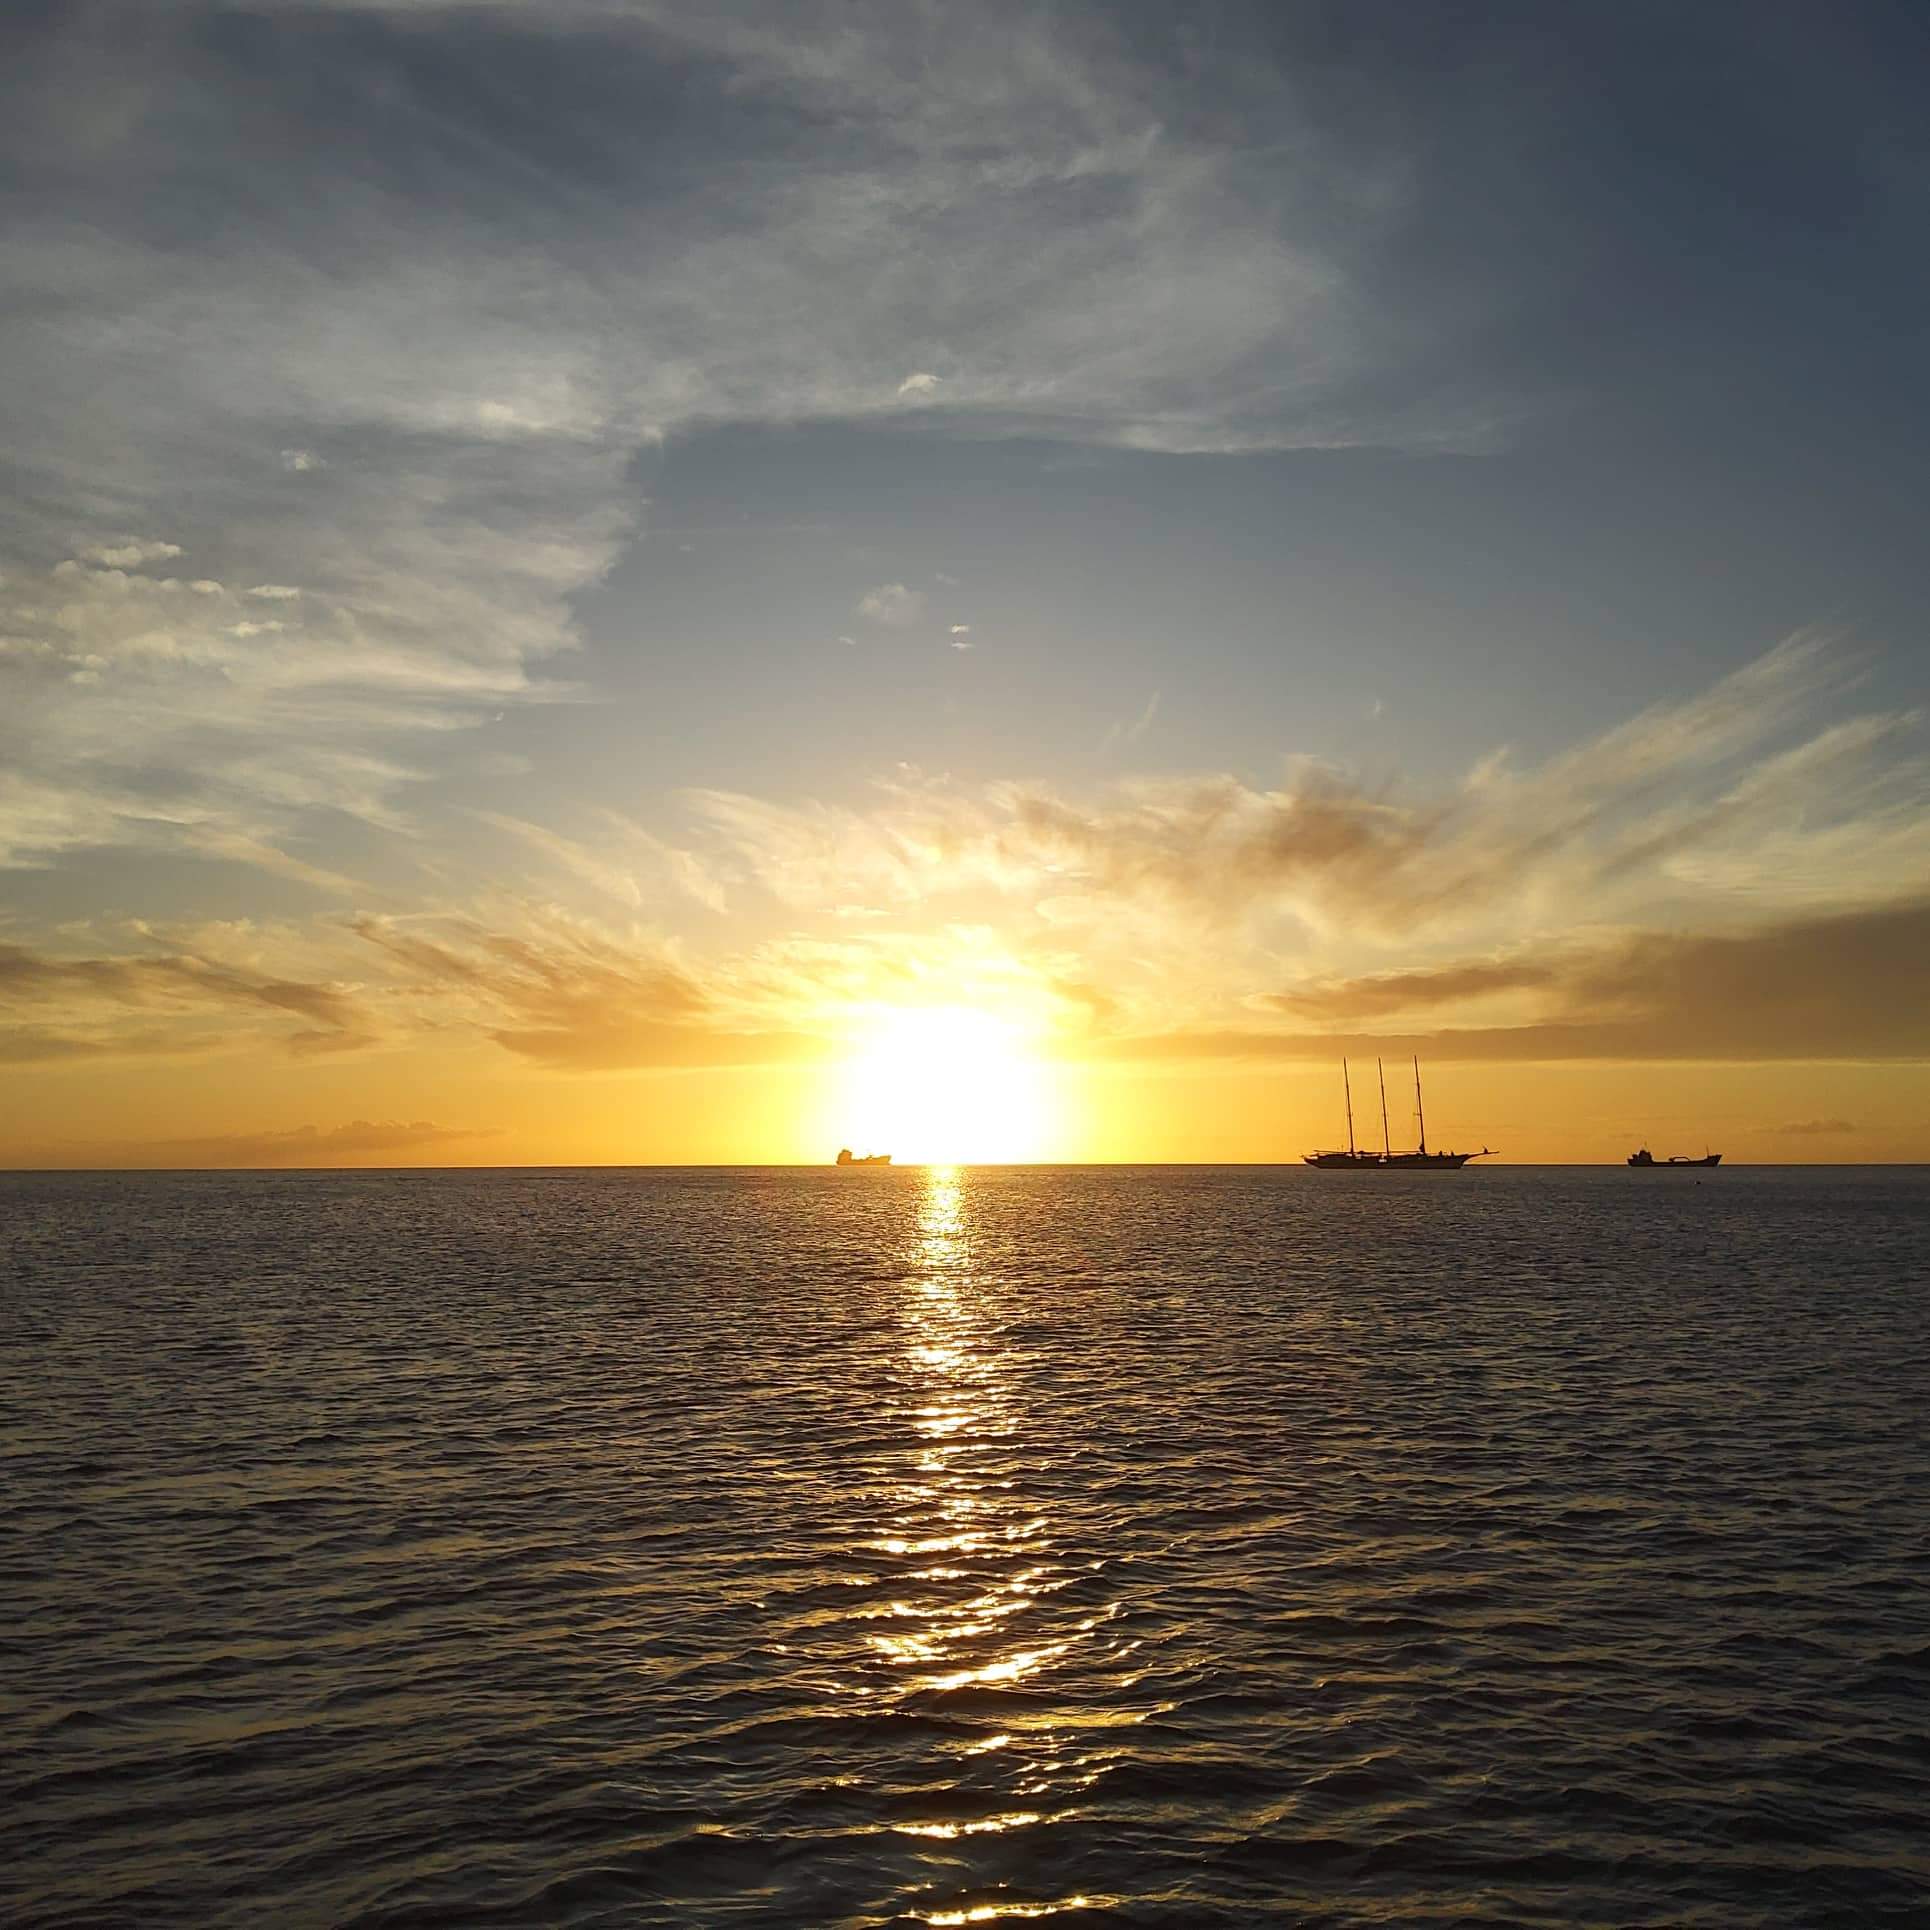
<point x="946" y="1085"/>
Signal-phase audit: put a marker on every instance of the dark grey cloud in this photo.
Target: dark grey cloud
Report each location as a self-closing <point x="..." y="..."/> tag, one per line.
<point x="1851" y="986"/>
<point x="23" y="1045"/>
<point x="1409" y="991"/>
<point x="301" y="1146"/>
<point x="1213" y="840"/>
<point x="163" y="982"/>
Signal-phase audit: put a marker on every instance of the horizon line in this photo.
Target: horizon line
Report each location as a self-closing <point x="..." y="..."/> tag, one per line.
<point x="919" y="1166"/>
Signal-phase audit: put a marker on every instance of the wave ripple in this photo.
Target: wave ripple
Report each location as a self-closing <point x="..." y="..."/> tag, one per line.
<point x="1106" y="1547"/>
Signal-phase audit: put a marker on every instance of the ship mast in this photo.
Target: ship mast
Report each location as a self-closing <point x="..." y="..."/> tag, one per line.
<point x="1386" y="1146"/>
<point x="1419" y="1115"/>
<point x="1347" y="1086"/>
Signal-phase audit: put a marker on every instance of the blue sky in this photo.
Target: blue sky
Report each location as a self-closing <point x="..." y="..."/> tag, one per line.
<point x="807" y="501"/>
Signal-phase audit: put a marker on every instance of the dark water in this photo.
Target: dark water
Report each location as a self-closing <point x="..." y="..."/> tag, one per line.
<point x="1163" y="1547"/>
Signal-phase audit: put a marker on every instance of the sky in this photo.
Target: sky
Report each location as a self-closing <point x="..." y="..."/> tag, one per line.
<point x="593" y="581"/>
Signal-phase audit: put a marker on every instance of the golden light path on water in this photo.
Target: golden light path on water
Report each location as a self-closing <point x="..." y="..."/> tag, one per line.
<point x="983" y="1564"/>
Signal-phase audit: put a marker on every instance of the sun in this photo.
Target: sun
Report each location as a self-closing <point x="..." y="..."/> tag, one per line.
<point x="946" y="1085"/>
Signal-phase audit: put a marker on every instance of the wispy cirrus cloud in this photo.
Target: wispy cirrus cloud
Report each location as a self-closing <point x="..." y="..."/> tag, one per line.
<point x="619" y="859"/>
<point x="371" y="359"/>
<point x="179" y="712"/>
<point x="1734" y="802"/>
<point x="569" y="996"/>
<point x="556" y="989"/>
<point x="1120" y="732"/>
<point x="1679" y="883"/>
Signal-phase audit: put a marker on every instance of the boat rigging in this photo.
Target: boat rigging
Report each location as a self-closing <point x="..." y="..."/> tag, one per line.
<point x="1354" y="1159"/>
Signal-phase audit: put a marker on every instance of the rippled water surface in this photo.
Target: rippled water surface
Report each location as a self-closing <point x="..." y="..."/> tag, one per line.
<point x="1110" y="1547"/>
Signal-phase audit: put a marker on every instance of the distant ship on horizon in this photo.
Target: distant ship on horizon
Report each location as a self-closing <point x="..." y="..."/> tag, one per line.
<point x="1357" y="1159"/>
<point x="846" y="1157"/>
<point x="1643" y="1157"/>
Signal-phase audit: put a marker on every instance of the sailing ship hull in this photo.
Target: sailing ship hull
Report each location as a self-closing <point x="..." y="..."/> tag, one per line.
<point x="1355" y="1160"/>
<point x="1389" y="1162"/>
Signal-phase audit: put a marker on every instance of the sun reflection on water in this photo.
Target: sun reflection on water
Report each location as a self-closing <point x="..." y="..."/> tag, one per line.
<point x="967" y="1603"/>
<point x="992" y="1912"/>
<point x="961" y="1412"/>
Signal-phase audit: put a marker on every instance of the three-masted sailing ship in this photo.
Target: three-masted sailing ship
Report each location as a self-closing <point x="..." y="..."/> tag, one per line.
<point x="1361" y="1159"/>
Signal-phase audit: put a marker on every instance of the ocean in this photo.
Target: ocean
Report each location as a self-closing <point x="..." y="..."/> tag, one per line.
<point x="1096" y="1546"/>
